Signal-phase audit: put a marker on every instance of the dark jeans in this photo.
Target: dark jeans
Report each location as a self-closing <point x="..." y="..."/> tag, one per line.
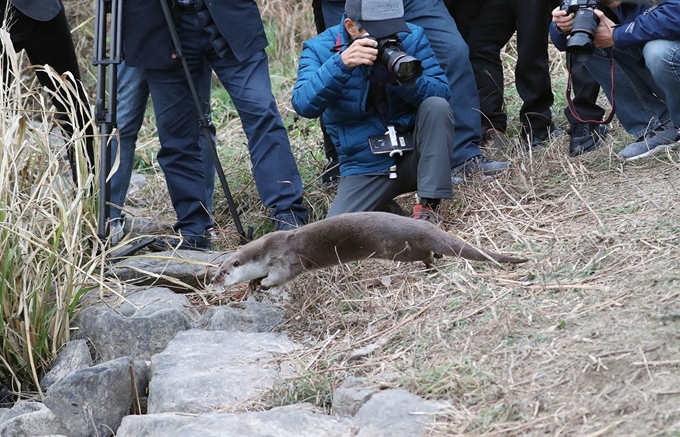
<point x="49" y="42"/>
<point x="424" y="170"/>
<point x="248" y="84"/>
<point x="133" y="94"/>
<point x="646" y="83"/>
<point x="492" y="29"/>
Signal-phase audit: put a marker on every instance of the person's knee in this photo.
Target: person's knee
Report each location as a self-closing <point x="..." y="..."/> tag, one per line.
<point x="660" y="56"/>
<point x="435" y="105"/>
<point x="435" y="109"/>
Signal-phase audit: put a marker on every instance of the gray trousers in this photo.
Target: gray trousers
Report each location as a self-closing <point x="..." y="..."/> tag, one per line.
<point x="425" y="170"/>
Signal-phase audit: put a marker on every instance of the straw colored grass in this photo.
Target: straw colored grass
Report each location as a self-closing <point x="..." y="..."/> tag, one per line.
<point x="48" y="245"/>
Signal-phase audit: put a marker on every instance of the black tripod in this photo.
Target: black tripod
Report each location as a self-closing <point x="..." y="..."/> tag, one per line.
<point x="107" y="57"/>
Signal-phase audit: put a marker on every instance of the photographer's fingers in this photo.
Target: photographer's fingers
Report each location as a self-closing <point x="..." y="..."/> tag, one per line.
<point x="604" y="36"/>
<point x="562" y="20"/>
<point x="360" y="52"/>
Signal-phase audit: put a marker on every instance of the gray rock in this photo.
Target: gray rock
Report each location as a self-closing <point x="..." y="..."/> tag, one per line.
<point x="289" y="421"/>
<point x="178" y="270"/>
<point x="249" y="316"/>
<point x="140" y="327"/>
<point x="153" y="425"/>
<point x="29" y="419"/>
<point x="93" y="401"/>
<point x="75" y="355"/>
<point x="18" y="409"/>
<point x="147" y="301"/>
<point x="202" y="371"/>
<point x="395" y="413"/>
<point x="350" y="396"/>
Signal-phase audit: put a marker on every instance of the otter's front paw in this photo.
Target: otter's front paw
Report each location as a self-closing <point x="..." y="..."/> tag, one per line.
<point x="255" y="284"/>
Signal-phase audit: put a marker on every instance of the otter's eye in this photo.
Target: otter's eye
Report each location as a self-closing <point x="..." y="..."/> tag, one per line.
<point x="236" y="264"/>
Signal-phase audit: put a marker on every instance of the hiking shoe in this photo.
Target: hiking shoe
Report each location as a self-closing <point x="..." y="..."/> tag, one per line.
<point x="287" y="221"/>
<point x="200" y="244"/>
<point x="538" y="138"/>
<point x="480" y="166"/>
<point x="424" y="212"/>
<point x="661" y="139"/>
<point x="585" y="137"/>
<point x="493" y="138"/>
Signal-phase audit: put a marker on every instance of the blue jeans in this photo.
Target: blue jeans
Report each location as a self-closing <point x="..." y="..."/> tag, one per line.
<point x="133" y="94"/>
<point x="646" y="84"/>
<point x="247" y="81"/>
<point x="454" y="57"/>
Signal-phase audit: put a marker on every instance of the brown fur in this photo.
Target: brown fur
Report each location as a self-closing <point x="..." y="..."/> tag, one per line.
<point x="279" y="257"/>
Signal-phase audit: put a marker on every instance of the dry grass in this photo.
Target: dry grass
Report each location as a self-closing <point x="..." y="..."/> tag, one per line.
<point x="48" y="244"/>
<point x="582" y="340"/>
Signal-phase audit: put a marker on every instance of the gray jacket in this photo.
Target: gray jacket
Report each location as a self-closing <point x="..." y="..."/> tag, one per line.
<point x="40" y="10"/>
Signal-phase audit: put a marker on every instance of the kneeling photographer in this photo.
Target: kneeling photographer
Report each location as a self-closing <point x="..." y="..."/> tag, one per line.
<point x="384" y="101"/>
<point x="633" y="51"/>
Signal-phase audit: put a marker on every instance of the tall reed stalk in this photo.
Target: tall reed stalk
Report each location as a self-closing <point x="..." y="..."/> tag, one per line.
<point x="48" y="248"/>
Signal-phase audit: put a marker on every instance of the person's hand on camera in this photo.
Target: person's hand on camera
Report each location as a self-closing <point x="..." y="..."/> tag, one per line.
<point x="362" y="51"/>
<point x="562" y="20"/>
<point x="604" y="34"/>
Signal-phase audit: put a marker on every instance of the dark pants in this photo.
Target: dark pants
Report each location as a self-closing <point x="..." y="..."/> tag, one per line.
<point x="585" y="89"/>
<point x="425" y="170"/>
<point x="464" y="13"/>
<point x="328" y="146"/>
<point x="492" y="29"/>
<point x="49" y="42"/>
<point x="248" y="84"/>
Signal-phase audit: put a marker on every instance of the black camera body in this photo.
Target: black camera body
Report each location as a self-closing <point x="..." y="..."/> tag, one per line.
<point x="405" y="68"/>
<point x="581" y="42"/>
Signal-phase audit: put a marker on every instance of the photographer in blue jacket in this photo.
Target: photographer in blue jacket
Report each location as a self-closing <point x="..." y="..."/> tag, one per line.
<point x="384" y="101"/>
<point x="640" y="44"/>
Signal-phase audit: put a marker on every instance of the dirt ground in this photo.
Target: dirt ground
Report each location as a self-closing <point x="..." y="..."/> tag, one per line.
<point x="581" y="340"/>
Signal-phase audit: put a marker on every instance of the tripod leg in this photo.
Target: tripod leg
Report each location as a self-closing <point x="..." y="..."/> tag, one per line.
<point x="204" y="123"/>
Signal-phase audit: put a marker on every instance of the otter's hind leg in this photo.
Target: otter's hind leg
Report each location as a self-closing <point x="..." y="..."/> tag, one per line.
<point x="429" y="261"/>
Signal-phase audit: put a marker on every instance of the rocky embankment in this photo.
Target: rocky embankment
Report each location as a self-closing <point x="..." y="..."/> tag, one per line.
<point x="146" y="362"/>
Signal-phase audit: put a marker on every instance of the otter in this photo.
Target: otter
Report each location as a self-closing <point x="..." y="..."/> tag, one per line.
<point x="279" y="257"/>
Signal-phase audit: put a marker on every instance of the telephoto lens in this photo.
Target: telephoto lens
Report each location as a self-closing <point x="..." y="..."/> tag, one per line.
<point x="406" y="68"/>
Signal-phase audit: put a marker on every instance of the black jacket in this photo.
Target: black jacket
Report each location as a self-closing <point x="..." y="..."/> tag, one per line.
<point x="147" y="39"/>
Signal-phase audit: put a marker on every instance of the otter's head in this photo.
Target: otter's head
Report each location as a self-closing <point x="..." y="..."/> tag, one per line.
<point x="240" y="267"/>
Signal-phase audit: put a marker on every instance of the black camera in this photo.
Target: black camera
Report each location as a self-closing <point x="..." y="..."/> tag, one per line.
<point x="391" y="54"/>
<point x="581" y="42"/>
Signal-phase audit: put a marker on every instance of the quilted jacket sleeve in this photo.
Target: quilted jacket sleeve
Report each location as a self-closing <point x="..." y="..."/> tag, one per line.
<point x="320" y="81"/>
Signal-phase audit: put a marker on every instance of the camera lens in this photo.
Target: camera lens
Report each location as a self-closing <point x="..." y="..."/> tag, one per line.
<point x="581" y="42"/>
<point x="406" y="68"/>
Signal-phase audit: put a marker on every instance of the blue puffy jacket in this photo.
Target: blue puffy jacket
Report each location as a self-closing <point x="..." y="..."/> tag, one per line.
<point x="325" y="85"/>
<point x="638" y="25"/>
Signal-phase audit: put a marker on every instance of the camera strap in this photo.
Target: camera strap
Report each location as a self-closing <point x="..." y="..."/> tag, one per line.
<point x="570" y="102"/>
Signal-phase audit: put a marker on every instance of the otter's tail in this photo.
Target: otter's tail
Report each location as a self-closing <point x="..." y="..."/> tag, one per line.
<point x="457" y="247"/>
